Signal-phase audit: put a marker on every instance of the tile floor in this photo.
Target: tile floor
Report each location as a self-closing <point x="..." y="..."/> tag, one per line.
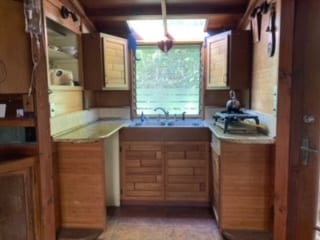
<point x="160" y="223"/>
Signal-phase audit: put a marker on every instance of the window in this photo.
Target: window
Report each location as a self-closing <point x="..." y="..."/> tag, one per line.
<point x="170" y="80"/>
<point x="151" y="30"/>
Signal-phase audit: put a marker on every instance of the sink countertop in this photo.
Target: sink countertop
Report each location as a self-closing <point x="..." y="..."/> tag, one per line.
<point x="105" y="128"/>
<point x="92" y="132"/>
<point x="258" y="138"/>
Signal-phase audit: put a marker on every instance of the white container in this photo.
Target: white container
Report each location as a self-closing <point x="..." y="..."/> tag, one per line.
<point x="60" y="76"/>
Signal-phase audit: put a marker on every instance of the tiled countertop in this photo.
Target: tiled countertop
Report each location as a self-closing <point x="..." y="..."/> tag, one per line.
<point x="241" y="138"/>
<point x="92" y="132"/>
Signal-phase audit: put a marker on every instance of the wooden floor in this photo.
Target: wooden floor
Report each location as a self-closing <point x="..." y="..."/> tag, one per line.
<point x="161" y="223"/>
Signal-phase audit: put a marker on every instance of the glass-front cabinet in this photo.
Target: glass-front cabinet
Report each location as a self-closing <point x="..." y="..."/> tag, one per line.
<point x="63" y="55"/>
<point x="64" y="69"/>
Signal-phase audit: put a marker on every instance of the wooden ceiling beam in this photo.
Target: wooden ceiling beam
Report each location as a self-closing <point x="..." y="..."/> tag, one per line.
<point x="152" y="10"/>
<point x="246" y="17"/>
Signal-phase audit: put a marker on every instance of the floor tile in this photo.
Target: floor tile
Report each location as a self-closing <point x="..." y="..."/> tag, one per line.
<point x="160" y="223"/>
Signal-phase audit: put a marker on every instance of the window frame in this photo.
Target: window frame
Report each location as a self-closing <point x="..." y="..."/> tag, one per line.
<point x="201" y="81"/>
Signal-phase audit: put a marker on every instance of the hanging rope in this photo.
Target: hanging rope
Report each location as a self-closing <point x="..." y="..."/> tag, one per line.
<point x="166" y="44"/>
<point x="164" y="16"/>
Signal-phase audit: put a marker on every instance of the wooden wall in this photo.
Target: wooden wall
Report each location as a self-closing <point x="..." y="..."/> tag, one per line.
<point x="112" y="98"/>
<point x="265" y="68"/>
<point x="15" y="54"/>
<point x="219" y="98"/>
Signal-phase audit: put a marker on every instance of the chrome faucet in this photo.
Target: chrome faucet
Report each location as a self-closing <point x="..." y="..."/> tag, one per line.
<point x="184" y="116"/>
<point x="166" y="113"/>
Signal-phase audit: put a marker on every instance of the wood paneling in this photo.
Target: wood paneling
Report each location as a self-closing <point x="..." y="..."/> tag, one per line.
<point x="217" y="62"/>
<point x="219" y="98"/>
<point x="299" y="74"/>
<point x="110" y="16"/>
<point x="105" y="62"/>
<point x="165" y="134"/>
<point x="112" y="98"/>
<point x="142" y="171"/>
<point x="242" y="186"/>
<point x="187" y="171"/>
<point x="41" y="100"/>
<point x="52" y="11"/>
<point x="15" y="57"/>
<point x="228" y="62"/>
<point x="65" y="100"/>
<point x="265" y="68"/>
<point x="115" y="52"/>
<point x="81" y="185"/>
<point x="19" y="198"/>
<point x="165" y="172"/>
<point x="17" y="150"/>
<point x="93" y="68"/>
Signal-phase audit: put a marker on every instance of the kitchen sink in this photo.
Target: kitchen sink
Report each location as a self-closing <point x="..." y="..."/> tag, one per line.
<point x="168" y="123"/>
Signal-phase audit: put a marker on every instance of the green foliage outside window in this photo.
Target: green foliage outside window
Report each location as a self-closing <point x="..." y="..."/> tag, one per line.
<point x="170" y="80"/>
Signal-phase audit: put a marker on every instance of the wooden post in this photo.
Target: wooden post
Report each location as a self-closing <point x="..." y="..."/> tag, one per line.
<point x="284" y="122"/>
<point x="40" y="87"/>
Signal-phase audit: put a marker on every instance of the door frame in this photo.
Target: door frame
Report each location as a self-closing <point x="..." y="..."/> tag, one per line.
<point x="285" y="120"/>
<point x="289" y="124"/>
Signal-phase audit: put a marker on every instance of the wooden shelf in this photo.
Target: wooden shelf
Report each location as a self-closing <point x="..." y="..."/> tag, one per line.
<point x="65" y="88"/>
<point x="59" y="55"/>
<point x="17" y="122"/>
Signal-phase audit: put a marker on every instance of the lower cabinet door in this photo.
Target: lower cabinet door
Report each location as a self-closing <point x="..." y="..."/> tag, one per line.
<point x="165" y="171"/>
<point x="187" y="171"/>
<point x="17" y="203"/>
<point x="142" y="171"/>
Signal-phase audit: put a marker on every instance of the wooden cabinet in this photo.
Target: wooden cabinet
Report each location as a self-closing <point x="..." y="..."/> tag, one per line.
<point x="81" y="183"/>
<point x="165" y="171"/>
<point x="18" y="199"/>
<point x="64" y="69"/>
<point x="229" y="60"/>
<point x="242" y="185"/>
<point x="142" y="167"/>
<point x="63" y="55"/>
<point x="187" y="171"/>
<point x="105" y="62"/>
<point x="15" y="54"/>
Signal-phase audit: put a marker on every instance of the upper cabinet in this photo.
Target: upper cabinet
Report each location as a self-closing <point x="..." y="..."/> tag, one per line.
<point x="15" y="54"/>
<point x="63" y="53"/>
<point x="105" y="62"/>
<point x="64" y="64"/>
<point x="229" y="60"/>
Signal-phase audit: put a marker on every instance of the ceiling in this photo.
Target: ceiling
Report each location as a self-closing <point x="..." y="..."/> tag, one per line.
<point x="110" y="16"/>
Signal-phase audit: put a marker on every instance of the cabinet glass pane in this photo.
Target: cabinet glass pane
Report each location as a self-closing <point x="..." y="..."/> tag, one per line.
<point x="63" y="55"/>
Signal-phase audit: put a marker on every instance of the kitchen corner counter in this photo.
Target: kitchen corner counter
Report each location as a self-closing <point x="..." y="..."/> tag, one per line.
<point x="92" y="132"/>
<point x="241" y="138"/>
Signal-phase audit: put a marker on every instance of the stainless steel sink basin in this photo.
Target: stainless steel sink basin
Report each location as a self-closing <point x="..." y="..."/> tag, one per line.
<point x="169" y="123"/>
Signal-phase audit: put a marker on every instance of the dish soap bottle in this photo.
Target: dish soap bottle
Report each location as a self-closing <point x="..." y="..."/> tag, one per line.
<point x="142" y="117"/>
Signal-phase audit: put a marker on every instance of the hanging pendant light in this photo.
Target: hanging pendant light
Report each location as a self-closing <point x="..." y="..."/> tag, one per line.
<point x="166" y="44"/>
